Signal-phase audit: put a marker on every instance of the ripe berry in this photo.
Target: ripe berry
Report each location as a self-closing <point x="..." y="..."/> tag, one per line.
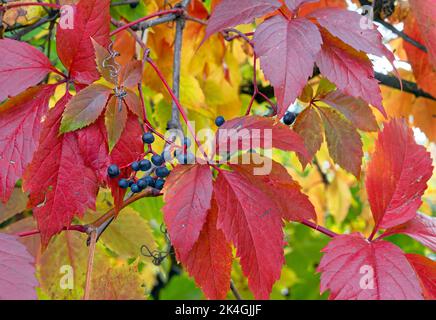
<point x="157" y="160"/>
<point x="145" y="165"/>
<point x="149" y="181"/>
<point x="142" y="184"/>
<point x="289" y="118"/>
<point x="159" y="184"/>
<point x="113" y="171"/>
<point x="135" y="188"/>
<point x="123" y="184"/>
<point x="187" y="142"/>
<point x="148" y="138"/>
<point x="134" y="5"/>
<point x="135" y="166"/>
<point x="162" y="172"/>
<point x="219" y="121"/>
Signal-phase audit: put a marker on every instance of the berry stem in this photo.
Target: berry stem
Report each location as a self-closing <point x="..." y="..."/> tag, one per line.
<point x="78" y="228"/>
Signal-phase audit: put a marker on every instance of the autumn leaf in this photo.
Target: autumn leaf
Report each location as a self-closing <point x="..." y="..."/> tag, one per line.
<point x="16" y="204"/>
<point x="74" y="45"/>
<point x="21" y="66"/>
<point x="188" y="194"/>
<point x="426" y="271"/>
<point x="58" y="178"/>
<point x="17" y="270"/>
<point x="296" y="44"/>
<point x="397" y="176"/>
<point x="295" y="4"/>
<point x="115" y="120"/>
<point x="210" y="259"/>
<point x="354" y="269"/>
<point x="20" y="129"/>
<point x="249" y="219"/>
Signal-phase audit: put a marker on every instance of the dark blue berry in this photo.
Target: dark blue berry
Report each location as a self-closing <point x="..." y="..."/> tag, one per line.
<point x="157" y="160"/>
<point x="133" y="5"/>
<point x="149" y="181"/>
<point x="135" y="188"/>
<point x="131" y="182"/>
<point x="148" y="138"/>
<point x="135" y="166"/>
<point x="187" y="142"/>
<point x="219" y="121"/>
<point x="145" y="165"/>
<point x="159" y="184"/>
<point x="289" y="118"/>
<point x="113" y="171"/>
<point x="162" y="172"/>
<point x="142" y="184"/>
<point x="123" y="184"/>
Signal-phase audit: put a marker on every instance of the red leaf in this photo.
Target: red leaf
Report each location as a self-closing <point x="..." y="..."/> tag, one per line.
<point x="21" y="66"/>
<point x="20" y="127"/>
<point x="17" y="270"/>
<point x="349" y="26"/>
<point x="188" y="193"/>
<point x="287" y="50"/>
<point x="250" y="220"/>
<point x="295" y="4"/>
<point x="421" y="228"/>
<point x="210" y="260"/>
<point x="426" y="271"/>
<point x="60" y="184"/>
<point x="256" y="131"/>
<point x="397" y="175"/>
<point x="425" y="12"/>
<point x="343" y="141"/>
<point x="74" y="46"/>
<point x="115" y="120"/>
<point x="274" y="180"/>
<point x="355" y="269"/>
<point x="350" y="70"/>
<point x="230" y="13"/>
<point x="355" y="110"/>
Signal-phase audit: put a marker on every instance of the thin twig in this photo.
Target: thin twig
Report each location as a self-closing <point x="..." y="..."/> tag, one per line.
<point x="235" y="290"/>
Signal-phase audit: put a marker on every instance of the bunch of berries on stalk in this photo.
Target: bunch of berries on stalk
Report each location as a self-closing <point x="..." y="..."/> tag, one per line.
<point x="153" y="167"/>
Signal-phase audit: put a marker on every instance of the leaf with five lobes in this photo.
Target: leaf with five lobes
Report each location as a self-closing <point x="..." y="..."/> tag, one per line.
<point x="295" y="4"/>
<point x="103" y="60"/>
<point x="91" y="20"/>
<point x="249" y="132"/>
<point x="425" y="269"/>
<point x="61" y="186"/>
<point x="115" y="120"/>
<point x="421" y="228"/>
<point x="309" y="126"/>
<point x="187" y="196"/>
<point x="85" y="107"/>
<point x="230" y="13"/>
<point x="17" y="270"/>
<point x="343" y="141"/>
<point x="347" y="26"/>
<point x="350" y="70"/>
<point x="356" y="110"/>
<point x="274" y="179"/>
<point x="287" y="50"/>
<point x="353" y="268"/>
<point x="21" y="66"/>
<point x="250" y="220"/>
<point x="397" y="175"/>
<point x="425" y="12"/>
<point x="20" y="129"/>
<point x="210" y="259"/>
<point x="131" y="74"/>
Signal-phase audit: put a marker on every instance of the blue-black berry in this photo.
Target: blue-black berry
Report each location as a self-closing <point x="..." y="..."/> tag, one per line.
<point x="113" y="171"/>
<point x="142" y="184"/>
<point x="133" y="5"/>
<point x="135" y="166"/>
<point x="148" y="138"/>
<point x="157" y="160"/>
<point x="149" y="181"/>
<point x="159" y="184"/>
<point x="289" y="118"/>
<point x="135" y="188"/>
<point x="162" y="172"/>
<point x="145" y="165"/>
<point x="123" y="184"/>
<point x="219" y="121"/>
